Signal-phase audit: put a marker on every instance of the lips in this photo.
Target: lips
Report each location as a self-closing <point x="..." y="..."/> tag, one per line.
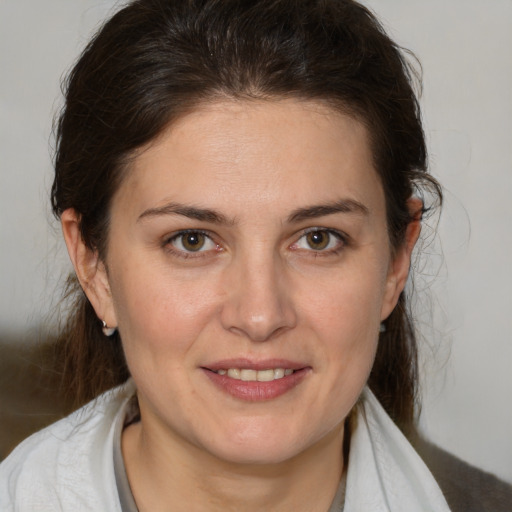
<point x="256" y="380"/>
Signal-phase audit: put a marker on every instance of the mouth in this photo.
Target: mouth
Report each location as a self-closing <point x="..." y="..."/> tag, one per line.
<point x="250" y="375"/>
<point x="256" y="381"/>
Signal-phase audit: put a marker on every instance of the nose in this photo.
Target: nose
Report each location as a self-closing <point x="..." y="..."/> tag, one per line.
<point x="259" y="302"/>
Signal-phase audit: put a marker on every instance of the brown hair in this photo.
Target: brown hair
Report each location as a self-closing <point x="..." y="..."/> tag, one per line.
<point x="157" y="59"/>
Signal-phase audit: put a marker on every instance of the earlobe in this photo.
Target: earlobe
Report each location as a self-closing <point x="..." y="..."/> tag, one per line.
<point x="90" y="270"/>
<point x="400" y="264"/>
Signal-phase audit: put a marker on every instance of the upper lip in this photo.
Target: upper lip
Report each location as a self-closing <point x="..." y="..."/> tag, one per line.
<point x="250" y="364"/>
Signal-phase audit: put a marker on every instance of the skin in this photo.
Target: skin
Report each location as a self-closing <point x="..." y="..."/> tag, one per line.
<point x="257" y="289"/>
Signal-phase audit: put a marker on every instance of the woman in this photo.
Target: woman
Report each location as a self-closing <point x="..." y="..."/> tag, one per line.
<point x="239" y="189"/>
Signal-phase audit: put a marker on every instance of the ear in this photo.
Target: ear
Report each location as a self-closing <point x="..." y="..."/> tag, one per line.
<point x="90" y="270"/>
<point x="401" y="261"/>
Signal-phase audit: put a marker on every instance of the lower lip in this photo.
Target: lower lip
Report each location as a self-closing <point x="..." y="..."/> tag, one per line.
<point x="253" y="391"/>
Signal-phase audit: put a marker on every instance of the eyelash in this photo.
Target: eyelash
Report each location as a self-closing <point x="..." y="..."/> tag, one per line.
<point x="168" y="244"/>
<point x="342" y="239"/>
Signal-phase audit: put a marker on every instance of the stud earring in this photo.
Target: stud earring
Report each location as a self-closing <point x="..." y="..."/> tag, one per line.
<point x="108" y="331"/>
<point x="382" y="327"/>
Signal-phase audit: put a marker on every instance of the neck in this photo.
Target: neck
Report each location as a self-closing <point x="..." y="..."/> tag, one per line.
<point x="178" y="476"/>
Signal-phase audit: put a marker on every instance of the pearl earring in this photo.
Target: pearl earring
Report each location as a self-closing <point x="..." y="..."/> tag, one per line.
<point x="108" y="331"/>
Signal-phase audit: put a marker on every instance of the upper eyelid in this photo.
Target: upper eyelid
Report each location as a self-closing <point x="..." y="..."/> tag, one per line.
<point x="172" y="236"/>
<point x="320" y="228"/>
<point x="336" y="232"/>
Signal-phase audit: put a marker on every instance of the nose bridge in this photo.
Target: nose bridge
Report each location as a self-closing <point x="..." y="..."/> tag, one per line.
<point x="258" y="303"/>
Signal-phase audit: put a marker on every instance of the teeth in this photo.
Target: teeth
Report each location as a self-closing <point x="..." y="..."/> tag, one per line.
<point x="248" y="375"/>
<point x="256" y="375"/>
<point x="279" y="373"/>
<point x="265" y="375"/>
<point x="234" y="373"/>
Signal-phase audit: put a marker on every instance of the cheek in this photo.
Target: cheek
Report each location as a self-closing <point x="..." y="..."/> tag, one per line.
<point x="347" y="302"/>
<point x="345" y="317"/>
<point x="157" y="310"/>
<point x="344" y="322"/>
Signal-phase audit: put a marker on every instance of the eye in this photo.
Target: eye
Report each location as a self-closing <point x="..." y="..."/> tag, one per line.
<point x="321" y="240"/>
<point x="192" y="241"/>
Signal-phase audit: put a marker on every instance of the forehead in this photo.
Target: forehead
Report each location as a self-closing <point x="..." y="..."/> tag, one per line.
<point x="262" y="154"/>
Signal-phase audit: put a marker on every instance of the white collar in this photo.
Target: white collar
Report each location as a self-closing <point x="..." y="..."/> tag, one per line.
<point x="385" y="474"/>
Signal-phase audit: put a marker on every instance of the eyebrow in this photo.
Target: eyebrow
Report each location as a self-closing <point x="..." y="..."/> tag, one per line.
<point x="207" y="215"/>
<point x="342" y="206"/>
<point x="192" y="212"/>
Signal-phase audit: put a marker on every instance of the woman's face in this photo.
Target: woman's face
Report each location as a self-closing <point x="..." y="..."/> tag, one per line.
<point x="249" y="269"/>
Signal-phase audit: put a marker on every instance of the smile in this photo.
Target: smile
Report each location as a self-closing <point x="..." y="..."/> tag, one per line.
<point x="255" y="382"/>
<point x="248" y="375"/>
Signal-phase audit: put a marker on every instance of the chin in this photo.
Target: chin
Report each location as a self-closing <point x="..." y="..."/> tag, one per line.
<point x="262" y="444"/>
<point x="256" y="454"/>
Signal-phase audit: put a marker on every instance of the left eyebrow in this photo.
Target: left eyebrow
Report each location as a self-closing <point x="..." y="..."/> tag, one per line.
<point x="342" y="206"/>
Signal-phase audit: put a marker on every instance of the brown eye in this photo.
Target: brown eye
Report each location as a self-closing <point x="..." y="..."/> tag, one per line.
<point x="326" y="241"/>
<point x="192" y="241"/>
<point x="318" y="240"/>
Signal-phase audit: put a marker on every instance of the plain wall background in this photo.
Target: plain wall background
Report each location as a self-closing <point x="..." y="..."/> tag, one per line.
<point x="465" y="49"/>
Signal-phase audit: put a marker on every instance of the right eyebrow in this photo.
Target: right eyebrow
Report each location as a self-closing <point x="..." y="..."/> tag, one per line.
<point x="192" y="212"/>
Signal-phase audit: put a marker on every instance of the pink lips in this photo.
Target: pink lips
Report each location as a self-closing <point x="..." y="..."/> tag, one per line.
<point x="254" y="390"/>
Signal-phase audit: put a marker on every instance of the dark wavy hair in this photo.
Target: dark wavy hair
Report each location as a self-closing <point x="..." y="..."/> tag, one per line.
<point x="156" y="60"/>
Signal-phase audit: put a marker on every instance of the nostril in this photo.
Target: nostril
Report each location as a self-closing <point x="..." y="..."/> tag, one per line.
<point x="257" y="304"/>
<point x="259" y="333"/>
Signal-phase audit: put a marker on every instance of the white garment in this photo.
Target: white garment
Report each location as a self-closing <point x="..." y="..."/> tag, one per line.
<point x="385" y="474"/>
<point x="69" y="465"/>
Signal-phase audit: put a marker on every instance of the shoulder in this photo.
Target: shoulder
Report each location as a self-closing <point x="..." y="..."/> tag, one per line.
<point x="466" y="488"/>
<point x="59" y="465"/>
